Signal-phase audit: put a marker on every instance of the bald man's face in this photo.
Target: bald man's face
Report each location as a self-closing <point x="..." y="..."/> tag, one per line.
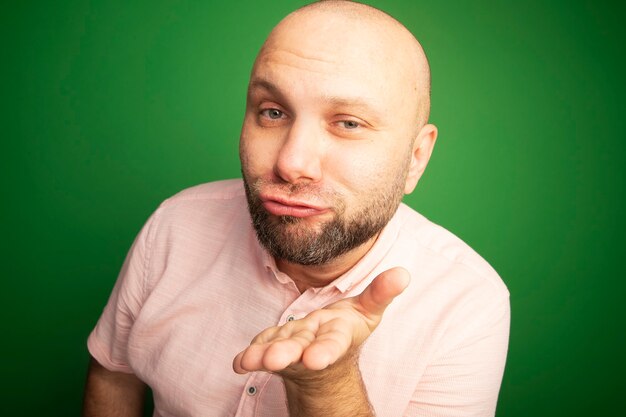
<point x="326" y="141"/>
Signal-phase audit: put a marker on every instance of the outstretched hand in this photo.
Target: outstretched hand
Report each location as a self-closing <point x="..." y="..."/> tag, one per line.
<point x="324" y="336"/>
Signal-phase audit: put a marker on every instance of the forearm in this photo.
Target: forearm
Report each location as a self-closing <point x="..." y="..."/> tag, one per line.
<point x="336" y="391"/>
<point x="112" y="394"/>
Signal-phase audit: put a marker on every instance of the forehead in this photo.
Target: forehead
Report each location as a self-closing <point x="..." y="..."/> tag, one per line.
<point x="337" y="76"/>
<point x="330" y="70"/>
<point x="317" y="56"/>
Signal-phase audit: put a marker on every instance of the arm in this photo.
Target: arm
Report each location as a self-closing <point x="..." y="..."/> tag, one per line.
<point x="112" y="394"/>
<point x="338" y="388"/>
<point x="317" y="356"/>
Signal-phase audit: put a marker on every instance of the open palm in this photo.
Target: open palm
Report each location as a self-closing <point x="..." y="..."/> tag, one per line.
<point x="324" y="336"/>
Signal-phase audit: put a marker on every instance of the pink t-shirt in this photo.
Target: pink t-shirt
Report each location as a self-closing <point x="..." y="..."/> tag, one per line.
<point x="196" y="287"/>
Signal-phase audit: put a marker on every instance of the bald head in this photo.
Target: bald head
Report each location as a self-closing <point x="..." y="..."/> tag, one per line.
<point x="373" y="43"/>
<point x="336" y="127"/>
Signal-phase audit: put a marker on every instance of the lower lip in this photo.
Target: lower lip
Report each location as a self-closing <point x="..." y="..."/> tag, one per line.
<point x="279" y="209"/>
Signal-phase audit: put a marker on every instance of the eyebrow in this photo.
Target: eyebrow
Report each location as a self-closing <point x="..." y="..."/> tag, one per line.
<point x="259" y="82"/>
<point x="336" y="101"/>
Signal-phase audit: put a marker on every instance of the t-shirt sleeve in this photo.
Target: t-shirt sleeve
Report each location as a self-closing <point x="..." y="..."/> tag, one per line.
<point x="464" y="379"/>
<point x="108" y="342"/>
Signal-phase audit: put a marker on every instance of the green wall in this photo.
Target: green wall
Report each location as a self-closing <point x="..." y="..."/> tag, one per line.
<point x="110" y="107"/>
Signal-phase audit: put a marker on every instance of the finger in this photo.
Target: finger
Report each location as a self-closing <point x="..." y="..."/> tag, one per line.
<point x="282" y="353"/>
<point x="332" y="341"/>
<point x="266" y="335"/>
<point x="382" y="290"/>
<point x="287" y="330"/>
<point x="249" y="359"/>
<point x="274" y="347"/>
<point x="326" y="350"/>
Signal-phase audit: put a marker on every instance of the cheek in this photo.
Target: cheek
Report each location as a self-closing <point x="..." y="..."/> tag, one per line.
<point x="354" y="168"/>
<point x="364" y="169"/>
<point x="256" y="153"/>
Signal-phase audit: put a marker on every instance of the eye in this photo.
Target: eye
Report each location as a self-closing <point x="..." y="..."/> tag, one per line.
<point x="273" y="114"/>
<point x="349" y="124"/>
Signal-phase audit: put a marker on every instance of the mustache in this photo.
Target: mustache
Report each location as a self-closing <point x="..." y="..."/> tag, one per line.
<point x="298" y="189"/>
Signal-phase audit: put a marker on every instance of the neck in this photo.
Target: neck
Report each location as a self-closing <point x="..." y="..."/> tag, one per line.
<point x="315" y="276"/>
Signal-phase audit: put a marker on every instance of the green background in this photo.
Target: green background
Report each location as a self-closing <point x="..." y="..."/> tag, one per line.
<point x="110" y="107"/>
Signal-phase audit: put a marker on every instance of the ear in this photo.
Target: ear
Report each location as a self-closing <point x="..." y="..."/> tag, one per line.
<point x="420" y="155"/>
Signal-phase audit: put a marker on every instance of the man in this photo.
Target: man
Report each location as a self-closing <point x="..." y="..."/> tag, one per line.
<point x="355" y="304"/>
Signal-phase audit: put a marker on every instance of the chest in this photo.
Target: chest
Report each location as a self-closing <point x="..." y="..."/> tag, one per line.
<point x="189" y="331"/>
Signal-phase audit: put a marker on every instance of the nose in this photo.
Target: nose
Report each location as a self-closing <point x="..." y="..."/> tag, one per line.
<point x="299" y="158"/>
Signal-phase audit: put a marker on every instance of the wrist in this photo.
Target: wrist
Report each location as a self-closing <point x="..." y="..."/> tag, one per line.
<point x="301" y="378"/>
<point x="336" y="391"/>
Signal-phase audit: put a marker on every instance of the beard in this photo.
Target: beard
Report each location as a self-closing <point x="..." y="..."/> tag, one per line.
<point x="291" y="239"/>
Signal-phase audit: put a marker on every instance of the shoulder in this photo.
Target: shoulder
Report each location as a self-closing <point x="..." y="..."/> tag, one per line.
<point x="454" y="293"/>
<point x="445" y="256"/>
<point x="194" y="226"/>
<point x="211" y="197"/>
<point x="210" y="191"/>
<point x="204" y="211"/>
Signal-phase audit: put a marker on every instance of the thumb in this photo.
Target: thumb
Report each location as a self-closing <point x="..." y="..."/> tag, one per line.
<point x="382" y="290"/>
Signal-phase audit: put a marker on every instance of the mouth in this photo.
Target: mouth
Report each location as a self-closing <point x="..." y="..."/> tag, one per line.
<point x="280" y="206"/>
